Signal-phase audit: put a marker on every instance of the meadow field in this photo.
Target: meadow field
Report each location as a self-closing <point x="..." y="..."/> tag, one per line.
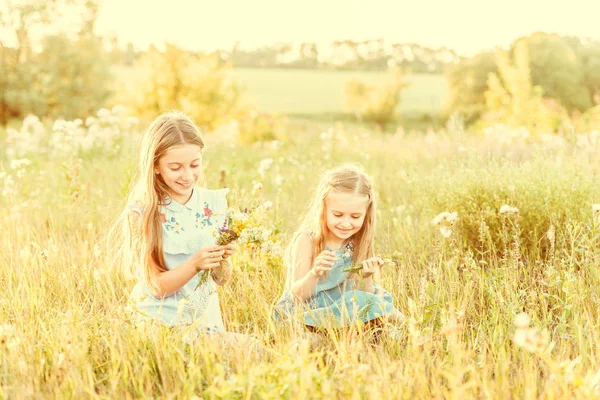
<point x="320" y="91"/>
<point x="504" y="303"/>
<point x="305" y="92"/>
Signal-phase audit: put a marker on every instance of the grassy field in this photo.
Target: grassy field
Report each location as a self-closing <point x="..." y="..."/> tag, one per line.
<point x="305" y="92"/>
<point x="318" y="91"/>
<point x="65" y="328"/>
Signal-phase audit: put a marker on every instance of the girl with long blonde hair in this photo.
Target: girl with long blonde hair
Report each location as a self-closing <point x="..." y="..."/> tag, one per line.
<point x="169" y="225"/>
<point x="336" y="235"/>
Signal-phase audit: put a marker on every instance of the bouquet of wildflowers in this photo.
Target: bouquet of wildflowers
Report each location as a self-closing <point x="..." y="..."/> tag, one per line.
<point x="253" y="231"/>
<point x="236" y="222"/>
<point x="249" y="228"/>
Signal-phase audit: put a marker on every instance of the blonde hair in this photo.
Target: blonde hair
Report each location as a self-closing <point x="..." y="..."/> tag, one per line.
<point x="144" y="236"/>
<point x="346" y="178"/>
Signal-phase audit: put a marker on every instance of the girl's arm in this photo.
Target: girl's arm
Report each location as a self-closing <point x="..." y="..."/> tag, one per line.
<point x="169" y="282"/>
<point x="305" y="274"/>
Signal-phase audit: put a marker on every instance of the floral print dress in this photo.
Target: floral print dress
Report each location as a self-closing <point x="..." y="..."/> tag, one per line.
<point x="186" y="228"/>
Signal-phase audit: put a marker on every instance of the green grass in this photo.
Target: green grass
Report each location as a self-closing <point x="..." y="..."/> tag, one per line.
<point x="70" y="335"/>
<point x="316" y="92"/>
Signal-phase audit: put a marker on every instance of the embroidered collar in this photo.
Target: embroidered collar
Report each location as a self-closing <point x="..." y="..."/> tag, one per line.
<point x="174" y="206"/>
<point x="347" y="246"/>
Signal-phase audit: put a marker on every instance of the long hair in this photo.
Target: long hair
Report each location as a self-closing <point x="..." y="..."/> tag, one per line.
<point x="144" y="236"/>
<point x="346" y="178"/>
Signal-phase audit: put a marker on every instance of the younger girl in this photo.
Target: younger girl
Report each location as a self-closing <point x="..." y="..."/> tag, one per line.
<point x="170" y="223"/>
<point x="336" y="234"/>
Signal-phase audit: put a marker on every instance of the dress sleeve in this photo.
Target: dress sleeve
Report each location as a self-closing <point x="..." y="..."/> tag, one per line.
<point x="137" y="207"/>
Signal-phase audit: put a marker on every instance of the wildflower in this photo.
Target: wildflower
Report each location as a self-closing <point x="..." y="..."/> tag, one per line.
<point x="130" y="122"/>
<point x="7" y="332"/>
<point x="528" y="339"/>
<point x="439" y="218"/>
<point x="444" y="216"/>
<point x="18" y="163"/>
<point x="452" y="218"/>
<point x="256" y="187"/>
<point x="446" y="232"/>
<point x="226" y="236"/>
<point x="103" y="113"/>
<point x="328" y="135"/>
<point x="264" y="166"/>
<point x="358" y="266"/>
<point x="60" y="125"/>
<point x="267" y="205"/>
<point x="90" y="121"/>
<point x="506" y="209"/>
<point x="596" y="208"/>
<point x="445" y="220"/>
<point x="522" y="320"/>
<point x="118" y="109"/>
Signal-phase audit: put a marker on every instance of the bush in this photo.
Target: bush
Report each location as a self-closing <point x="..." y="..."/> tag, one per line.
<point x="375" y="104"/>
<point x="544" y="193"/>
<point x="199" y="85"/>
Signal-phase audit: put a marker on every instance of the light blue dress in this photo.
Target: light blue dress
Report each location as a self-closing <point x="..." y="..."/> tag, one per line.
<point x="336" y="302"/>
<point x="186" y="228"/>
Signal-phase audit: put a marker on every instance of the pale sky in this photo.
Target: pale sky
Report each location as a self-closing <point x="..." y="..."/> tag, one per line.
<point x="466" y="26"/>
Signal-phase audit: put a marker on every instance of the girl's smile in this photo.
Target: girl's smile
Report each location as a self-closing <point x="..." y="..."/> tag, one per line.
<point x="345" y="214"/>
<point x="180" y="168"/>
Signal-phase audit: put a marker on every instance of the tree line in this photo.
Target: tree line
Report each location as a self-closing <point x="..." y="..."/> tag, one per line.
<point x="544" y="82"/>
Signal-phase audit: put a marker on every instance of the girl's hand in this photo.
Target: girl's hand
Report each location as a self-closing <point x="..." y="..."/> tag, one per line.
<point x="229" y="250"/>
<point x="208" y="257"/>
<point x="323" y="263"/>
<point x="222" y="274"/>
<point x="371" y="265"/>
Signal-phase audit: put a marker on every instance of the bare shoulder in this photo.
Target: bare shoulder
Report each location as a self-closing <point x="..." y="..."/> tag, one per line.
<point x="303" y="244"/>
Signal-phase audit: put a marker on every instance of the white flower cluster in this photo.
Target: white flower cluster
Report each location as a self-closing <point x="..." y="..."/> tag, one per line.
<point x="28" y="139"/>
<point x="506" y="209"/>
<point x="102" y="134"/>
<point x="530" y="339"/>
<point x="445" y="221"/>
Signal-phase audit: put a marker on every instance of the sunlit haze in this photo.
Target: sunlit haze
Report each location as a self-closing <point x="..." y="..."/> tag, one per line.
<point x="466" y="26"/>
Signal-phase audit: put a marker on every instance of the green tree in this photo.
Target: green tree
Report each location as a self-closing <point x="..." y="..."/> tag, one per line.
<point x="566" y="69"/>
<point x="71" y="77"/>
<point x="65" y="76"/>
<point x="468" y="81"/>
<point x="558" y="69"/>
<point x="513" y="99"/>
<point x="378" y="104"/>
<point x="199" y="85"/>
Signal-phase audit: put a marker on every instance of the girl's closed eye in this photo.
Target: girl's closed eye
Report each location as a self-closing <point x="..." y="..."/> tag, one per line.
<point x="178" y="168"/>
